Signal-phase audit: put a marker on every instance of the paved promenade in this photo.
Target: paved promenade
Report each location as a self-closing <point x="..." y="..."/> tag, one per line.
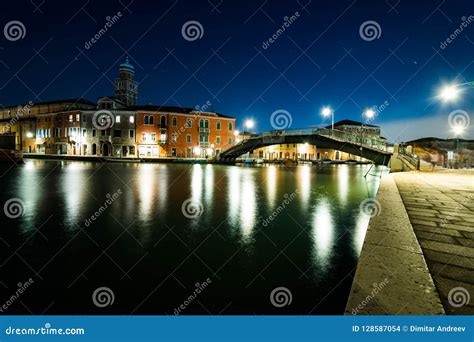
<point x="440" y="206"/>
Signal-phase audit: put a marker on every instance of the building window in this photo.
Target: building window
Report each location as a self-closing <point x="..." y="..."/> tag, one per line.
<point x="230" y="127"/>
<point x="174" y="137"/>
<point x="131" y="133"/>
<point x="132" y="119"/>
<point x="218" y="140"/>
<point x="150" y="119"/>
<point x="189" y="123"/>
<point x="174" y="121"/>
<point x="153" y="136"/>
<point x="163" y="137"/>
<point x="84" y="118"/>
<point x="94" y="133"/>
<point x="218" y="125"/>
<point x="102" y="132"/>
<point x="117" y="133"/>
<point x="78" y="117"/>
<point x="117" y="118"/>
<point x="71" y="118"/>
<point x="188" y="138"/>
<point x="230" y="141"/>
<point x="162" y="121"/>
<point x="144" y="136"/>
<point x="84" y="132"/>
<point x="146" y="120"/>
<point x="173" y="152"/>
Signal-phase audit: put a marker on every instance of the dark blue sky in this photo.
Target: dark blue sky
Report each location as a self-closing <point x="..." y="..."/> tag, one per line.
<point x="320" y="59"/>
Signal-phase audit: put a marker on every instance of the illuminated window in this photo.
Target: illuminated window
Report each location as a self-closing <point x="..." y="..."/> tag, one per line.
<point x="78" y="117"/>
<point x="144" y="136"/>
<point x="153" y="136"/>
<point x="132" y="119"/>
<point x="174" y="137"/>
<point x="117" y="118"/>
<point x="71" y="118"/>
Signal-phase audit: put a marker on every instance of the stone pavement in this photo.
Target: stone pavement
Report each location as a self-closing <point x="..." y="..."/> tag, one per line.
<point x="440" y="206"/>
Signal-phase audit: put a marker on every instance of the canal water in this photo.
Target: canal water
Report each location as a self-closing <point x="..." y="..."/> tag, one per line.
<point x="181" y="239"/>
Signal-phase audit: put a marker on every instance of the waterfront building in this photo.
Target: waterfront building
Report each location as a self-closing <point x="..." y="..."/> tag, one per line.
<point x="68" y="127"/>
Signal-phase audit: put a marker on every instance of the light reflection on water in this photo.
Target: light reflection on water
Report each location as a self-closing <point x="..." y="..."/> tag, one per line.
<point x="321" y="229"/>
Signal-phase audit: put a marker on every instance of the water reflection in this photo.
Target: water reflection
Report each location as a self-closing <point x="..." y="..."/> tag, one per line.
<point x="74" y="185"/>
<point x="271" y="180"/>
<point x="146" y="191"/>
<point x="242" y="199"/>
<point x="343" y="183"/>
<point x="304" y="185"/>
<point x="323" y="231"/>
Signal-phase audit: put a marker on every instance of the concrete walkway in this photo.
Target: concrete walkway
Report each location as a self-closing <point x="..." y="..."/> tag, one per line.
<point x="440" y="206"/>
<point x="392" y="277"/>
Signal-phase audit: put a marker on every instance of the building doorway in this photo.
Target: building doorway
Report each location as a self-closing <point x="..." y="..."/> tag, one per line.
<point x="106" y="149"/>
<point x="94" y="149"/>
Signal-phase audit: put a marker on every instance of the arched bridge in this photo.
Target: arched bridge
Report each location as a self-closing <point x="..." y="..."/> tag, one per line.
<point x="322" y="138"/>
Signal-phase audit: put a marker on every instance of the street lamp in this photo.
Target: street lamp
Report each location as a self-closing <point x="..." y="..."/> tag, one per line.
<point x="249" y="123"/>
<point x="328" y="111"/>
<point x="369" y="114"/>
<point x="449" y="93"/>
<point x="458" y="130"/>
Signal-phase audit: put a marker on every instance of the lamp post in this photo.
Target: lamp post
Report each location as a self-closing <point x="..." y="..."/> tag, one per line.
<point x="326" y="111"/>
<point x="369" y="114"/>
<point x="458" y="130"/>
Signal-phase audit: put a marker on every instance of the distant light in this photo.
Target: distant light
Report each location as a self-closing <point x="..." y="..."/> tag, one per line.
<point x="326" y="111"/>
<point x="29" y="135"/>
<point x="306" y="144"/>
<point x="449" y="93"/>
<point x="209" y="151"/>
<point x="249" y="123"/>
<point x="458" y="130"/>
<point x="236" y="132"/>
<point x="197" y="150"/>
<point x="369" y="113"/>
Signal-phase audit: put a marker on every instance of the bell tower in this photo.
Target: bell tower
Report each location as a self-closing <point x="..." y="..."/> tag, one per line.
<point x="126" y="88"/>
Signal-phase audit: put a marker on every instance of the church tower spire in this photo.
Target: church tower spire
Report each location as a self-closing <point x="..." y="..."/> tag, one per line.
<point x="126" y="88"/>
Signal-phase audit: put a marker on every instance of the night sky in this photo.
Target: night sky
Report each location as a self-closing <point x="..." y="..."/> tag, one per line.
<point x="320" y="59"/>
